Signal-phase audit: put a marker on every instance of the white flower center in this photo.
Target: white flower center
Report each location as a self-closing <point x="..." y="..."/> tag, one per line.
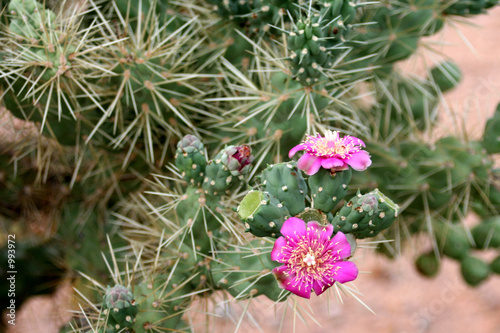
<point x="309" y="260"/>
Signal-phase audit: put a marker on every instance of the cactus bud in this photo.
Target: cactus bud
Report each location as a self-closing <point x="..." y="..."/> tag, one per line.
<point x="237" y="159"/>
<point x="189" y="144"/>
<point x="120" y="305"/>
<point x="190" y="159"/>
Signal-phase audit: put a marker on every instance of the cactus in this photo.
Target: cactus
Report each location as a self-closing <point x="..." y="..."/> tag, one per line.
<point x="262" y="213"/>
<point x="246" y="274"/>
<point x="495" y="265"/>
<point x="144" y="126"/>
<point x="366" y="215"/>
<point x="226" y="169"/>
<point x="285" y="182"/>
<point x="487" y="233"/>
<point x="190" y="159"/>
<point x="120" y="304"/>
<point x="427" y="264"/>
<point x="329" y="188"/>
<point x="474" y="270"/>
<point x="491" y="140"/>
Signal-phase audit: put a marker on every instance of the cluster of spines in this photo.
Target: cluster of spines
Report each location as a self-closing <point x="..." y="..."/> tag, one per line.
<point x="156" y="303"/>
<point x="263" y="213"/>
<point x="328" y="188"/>
<point x="308" y="52"/>
<point x="454" y="242"/>
<point x="366" y="215"/>
<point x="440" y="171"/>
<point x="246" y="273"/>
<point x="413" y="101"/>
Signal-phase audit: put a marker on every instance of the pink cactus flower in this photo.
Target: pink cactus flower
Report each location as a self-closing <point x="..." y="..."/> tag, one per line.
<point x="311" y="259"/>
<point x="331" y="152"/>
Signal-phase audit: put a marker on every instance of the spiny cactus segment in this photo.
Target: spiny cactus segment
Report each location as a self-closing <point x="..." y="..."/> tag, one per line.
<point x="285" y="182"/>
<point x="190" y="159"/>
<point x="110" y="90"/>
<point x="328" y="188"/>
<point x="263" y="214"/>
<point x="282" y="212"/>
<point x="121" y="306"/>
<point x="366" y="215"/>
<point x="491" y="137"/>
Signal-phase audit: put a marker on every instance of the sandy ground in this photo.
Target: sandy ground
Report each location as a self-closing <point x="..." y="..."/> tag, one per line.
<point x="404" y="302"/>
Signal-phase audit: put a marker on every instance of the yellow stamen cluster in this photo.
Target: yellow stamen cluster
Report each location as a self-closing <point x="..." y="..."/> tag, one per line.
<point x="311" y="260"/>
<point x="331" y="145"/>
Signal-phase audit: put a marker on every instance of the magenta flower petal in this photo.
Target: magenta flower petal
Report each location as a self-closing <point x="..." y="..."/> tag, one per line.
<point x="293" y="229"/>
<point x="311" y="259"/>
<point x="279" y="246"/>
<point x="309" y="164"/>
<point x="295" y="149"/>
<point x="298" y="288"/>
<point x="324" y="231"/>
<point x="320" y="287"/>
<point x="332" y="162"/>
<point x="345" y="271"/>
<point x="341" y="245"/>
<point x="306" y="161"/>
<point x="290" y="283"/>
<point x="314" y="167"/>
<point x="281" y="277"/>
<point x="331" y="152"/>
<point x="360" y="160"/>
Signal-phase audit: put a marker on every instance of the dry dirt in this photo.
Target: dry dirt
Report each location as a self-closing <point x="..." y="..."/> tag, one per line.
<point x="404" y="302"/>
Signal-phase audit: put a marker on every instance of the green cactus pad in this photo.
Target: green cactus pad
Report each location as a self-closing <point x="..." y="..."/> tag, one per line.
<point x="198" y="212"/>
<point x="452" y="240"/>
<point x="474" y="270"/>
<point x="285" y="182"/>
<point x="329" y="188"/>
<point x="487" y="233"/>
<point x="446" y="75"/>
<point x="495" y="265"/>
<point x="366" y="215"/>
<point x="119" y="303"/>
<point x="427" y="264"/>
<point x="159" y="303"/>
<point x="491" y="136"/>
<point x="262" y="214"/>
<point x="225" y="171"/>
<point x="309" y="55"/>
<point x="190" y="159"/>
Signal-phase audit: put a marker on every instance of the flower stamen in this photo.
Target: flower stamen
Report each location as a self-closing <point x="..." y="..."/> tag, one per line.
<point x="331" y="152"/>
<point x="309" y="260"/>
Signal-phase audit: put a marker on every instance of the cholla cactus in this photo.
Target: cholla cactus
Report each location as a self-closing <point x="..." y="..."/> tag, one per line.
<point x="165" y="119"/>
